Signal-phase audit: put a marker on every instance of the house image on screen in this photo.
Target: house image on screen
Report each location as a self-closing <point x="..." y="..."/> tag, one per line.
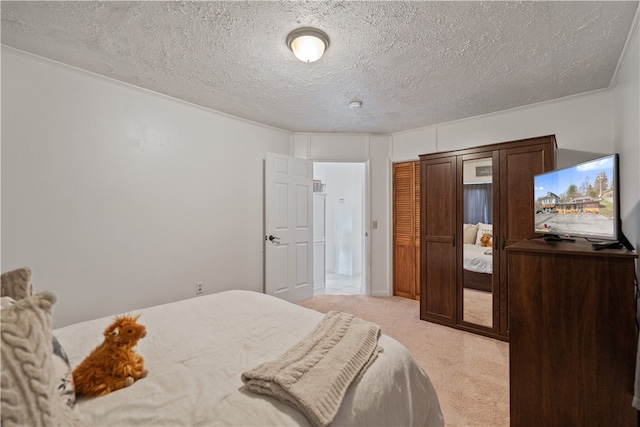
<point x="579" y="205"/>
<point x="549" y="202"/>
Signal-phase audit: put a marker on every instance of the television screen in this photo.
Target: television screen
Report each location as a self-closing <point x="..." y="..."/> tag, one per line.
<point x="580" y="200"/>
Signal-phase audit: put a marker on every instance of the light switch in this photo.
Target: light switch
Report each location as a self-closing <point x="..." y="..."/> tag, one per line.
<point x="375" y="225"/>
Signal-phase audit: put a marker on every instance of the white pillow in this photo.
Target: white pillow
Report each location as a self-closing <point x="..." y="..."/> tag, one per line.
<point x="62" y="374"/>
<point x="484" y="229"/>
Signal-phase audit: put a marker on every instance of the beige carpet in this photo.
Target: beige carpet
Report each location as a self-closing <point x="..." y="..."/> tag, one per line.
<point x="469" y="372"/>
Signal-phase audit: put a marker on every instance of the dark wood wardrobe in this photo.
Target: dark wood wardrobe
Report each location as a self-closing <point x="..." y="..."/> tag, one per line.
<point x="506" y="172"/>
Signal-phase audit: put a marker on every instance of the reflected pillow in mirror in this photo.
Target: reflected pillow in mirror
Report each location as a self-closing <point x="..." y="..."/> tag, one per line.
<point x="483" y="229"/>
<point x="469" y="233"/>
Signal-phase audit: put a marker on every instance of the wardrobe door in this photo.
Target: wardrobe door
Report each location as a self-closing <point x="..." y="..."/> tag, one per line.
<point x="437" y="243"/>
<point x="406" y="255"/>
<point x="416" y="226"/>
<point x="517" y="167"/>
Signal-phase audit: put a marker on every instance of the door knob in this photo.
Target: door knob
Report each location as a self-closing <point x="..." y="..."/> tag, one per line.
<point x="272" y="238"/>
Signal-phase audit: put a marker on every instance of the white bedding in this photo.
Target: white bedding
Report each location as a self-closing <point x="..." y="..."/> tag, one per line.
<point x="196" y="350"/>
<point x="478" y="258"/>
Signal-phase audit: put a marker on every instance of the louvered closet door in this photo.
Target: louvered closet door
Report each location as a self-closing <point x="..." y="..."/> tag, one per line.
<point x="406" y="227"/>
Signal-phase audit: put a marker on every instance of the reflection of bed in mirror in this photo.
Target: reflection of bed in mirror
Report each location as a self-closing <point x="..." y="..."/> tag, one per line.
<point x="478" y="267"/>
<point x="478" y="259"/>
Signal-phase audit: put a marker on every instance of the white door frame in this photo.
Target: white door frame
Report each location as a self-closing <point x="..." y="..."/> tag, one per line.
<point x="366" y="255"/>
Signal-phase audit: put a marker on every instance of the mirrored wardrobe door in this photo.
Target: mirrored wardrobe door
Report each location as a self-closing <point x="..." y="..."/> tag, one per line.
<point x="477" y="237"/>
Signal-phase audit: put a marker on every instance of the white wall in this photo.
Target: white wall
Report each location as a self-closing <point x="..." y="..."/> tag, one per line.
<point x="582" y="123"/>
<point x="626" y="97"/>
<point x="119" y="198"/>
<point x="380" y="178"/>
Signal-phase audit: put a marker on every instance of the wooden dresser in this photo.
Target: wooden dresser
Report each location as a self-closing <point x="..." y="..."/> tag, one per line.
<point x="573" y="334"/>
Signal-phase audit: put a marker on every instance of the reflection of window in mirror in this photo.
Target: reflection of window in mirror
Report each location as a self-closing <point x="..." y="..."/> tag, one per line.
<point x="478" y="191"/>
<point x="478" y="242"/>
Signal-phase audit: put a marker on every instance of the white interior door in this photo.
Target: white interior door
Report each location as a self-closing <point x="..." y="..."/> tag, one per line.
<point x="288" y="227"/>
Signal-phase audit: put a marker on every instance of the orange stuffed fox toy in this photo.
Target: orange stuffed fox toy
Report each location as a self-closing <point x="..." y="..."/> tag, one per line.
<point x="114" y="364"/>
<point x="485" y="240"/>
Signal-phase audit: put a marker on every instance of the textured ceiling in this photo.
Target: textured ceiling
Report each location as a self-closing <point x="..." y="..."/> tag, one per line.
<point x="412" y="64"/>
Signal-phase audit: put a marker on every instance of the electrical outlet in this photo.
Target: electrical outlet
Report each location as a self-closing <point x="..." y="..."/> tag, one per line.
<point x="199" y="288"/>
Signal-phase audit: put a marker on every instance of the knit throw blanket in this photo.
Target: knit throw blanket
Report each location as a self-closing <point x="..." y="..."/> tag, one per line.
<point x="313" y="376"/>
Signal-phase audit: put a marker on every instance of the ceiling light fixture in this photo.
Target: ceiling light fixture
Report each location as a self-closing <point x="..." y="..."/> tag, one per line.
<point x="355" y="104"/>
<point x="308" y="44"/>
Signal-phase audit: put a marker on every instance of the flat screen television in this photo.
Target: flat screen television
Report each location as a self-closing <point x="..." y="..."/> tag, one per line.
<point x="581" y="201"/>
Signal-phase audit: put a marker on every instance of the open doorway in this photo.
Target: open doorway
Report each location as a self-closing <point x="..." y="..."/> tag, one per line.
<point x="341" y="235"/>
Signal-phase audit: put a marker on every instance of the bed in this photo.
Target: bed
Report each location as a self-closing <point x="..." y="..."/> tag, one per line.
<point x="196" y="351"/>
<point x="478" y="267"/>
<point x="477" y="260"/>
